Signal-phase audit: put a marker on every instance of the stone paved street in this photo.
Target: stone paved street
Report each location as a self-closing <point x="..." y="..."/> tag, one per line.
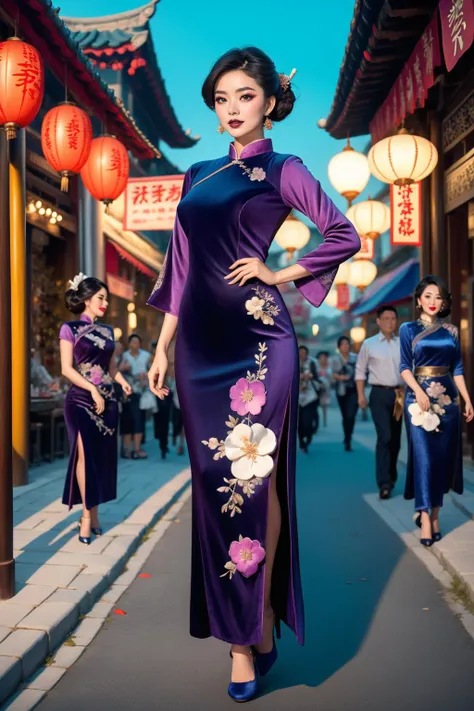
<point x="382" y="629"/>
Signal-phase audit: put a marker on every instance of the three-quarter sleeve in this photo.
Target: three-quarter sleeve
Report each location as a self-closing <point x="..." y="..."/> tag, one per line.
<point x="456" y="363"/>
<point x="406" y="351"/>
<point x="301" y="191"/>
<point x="169" y="287"/>
<point x="66" y="334"/>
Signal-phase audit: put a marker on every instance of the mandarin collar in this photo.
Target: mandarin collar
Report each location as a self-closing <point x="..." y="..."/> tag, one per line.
<point x="261" y="145"/>
<point x="86" y="318"/>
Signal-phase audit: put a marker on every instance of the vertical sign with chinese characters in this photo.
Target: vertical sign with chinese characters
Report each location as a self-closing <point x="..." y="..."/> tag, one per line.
<point x="405" y="205"/>
<point x="367" y="249"/>
<point x="457" y="29"/>
<point x="343" y="297"/>
<point x="150" y="203"/>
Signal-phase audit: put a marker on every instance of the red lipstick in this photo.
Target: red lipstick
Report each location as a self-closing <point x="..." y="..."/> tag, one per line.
<point x="103" y="309"/>
<point x="432" y="308"/>
<point x="235" y="123"/>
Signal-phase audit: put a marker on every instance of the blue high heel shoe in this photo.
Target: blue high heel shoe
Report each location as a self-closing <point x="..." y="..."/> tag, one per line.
<point x="94" y="531"/>
<point x="427" y="542"/>
<point x="84" y="539"/>
<point x="265" y="660"/>
<point x="242" y="691"/>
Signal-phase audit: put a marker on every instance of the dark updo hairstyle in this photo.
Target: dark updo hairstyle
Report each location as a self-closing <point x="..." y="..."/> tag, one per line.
<point x="257" y="65"/>
<point x="75" y="299"/>
<point x="431" y="280"/>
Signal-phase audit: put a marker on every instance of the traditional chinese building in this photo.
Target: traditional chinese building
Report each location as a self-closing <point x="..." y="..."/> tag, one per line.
<point x="412" y="65"/>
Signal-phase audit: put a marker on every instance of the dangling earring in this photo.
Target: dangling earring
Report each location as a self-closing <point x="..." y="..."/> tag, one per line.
<point x="268" y="123"/>
<point x="220" y="129"/>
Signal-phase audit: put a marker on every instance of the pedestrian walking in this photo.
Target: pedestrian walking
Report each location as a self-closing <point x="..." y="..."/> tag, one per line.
<point x="343" y="373"/>
<point x="134" y="366"/>
<point x="325" y="379"/>
<point x="308" y="415"/>
<point x="379" y="363"/>
<point x="431" y="365"/>
<point x="162" y="417"/>
<point x="90" y="408"/>
<point x="236" y="339"/>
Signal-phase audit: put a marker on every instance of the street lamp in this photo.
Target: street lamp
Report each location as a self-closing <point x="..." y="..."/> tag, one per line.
<point x="349" y="172"/>
<point x="362" y="273"/>
<point x="292" y="235"/>
<point x="403" y="159"/>
<point x="371" y="218"/>
<point x="357" y="334"/>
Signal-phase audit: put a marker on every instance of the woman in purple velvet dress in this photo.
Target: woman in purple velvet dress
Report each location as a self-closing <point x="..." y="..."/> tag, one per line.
<point x="91" y="409"/>
<point x="237" y="362"/>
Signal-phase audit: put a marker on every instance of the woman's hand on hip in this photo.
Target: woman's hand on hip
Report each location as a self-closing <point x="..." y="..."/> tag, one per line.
<point x="423" y="400"/>
<point x="468" y="411"/>
<point x="250" y="268"/>
<point x="157" y="374"/>
<point x="99" y="402"/>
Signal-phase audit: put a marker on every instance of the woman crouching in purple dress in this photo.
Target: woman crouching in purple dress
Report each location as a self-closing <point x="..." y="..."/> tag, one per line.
<point x="91" y="409"/>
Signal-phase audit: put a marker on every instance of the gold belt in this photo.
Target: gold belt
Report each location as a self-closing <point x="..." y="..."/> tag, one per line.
<point x="432" y="371"/>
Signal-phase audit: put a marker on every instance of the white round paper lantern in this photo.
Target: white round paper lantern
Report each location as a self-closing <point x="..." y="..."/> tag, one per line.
<point x="362" y="273"/>
<point x="315" y="329"/>
<point x="292" y="235"/>
<point x="403" y="159"/>
<point x="371" y="218"/>
<point x="349" y="172"/>
<point x="342" y="275"/>
<point x="358" y="334"/>
<point x="331" y="298"/>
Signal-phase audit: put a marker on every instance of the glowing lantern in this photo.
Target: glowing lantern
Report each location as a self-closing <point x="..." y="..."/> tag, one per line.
<point x="357" y="334"/>
<point x="331" y="298"/>
<point x="66" y="138"/>
<point x="315" y="329"/>
<point x="105" y="173"/>
<point x="403" y="159"/>
<point x="362" y="273"/>
<point x="292" y="235"/>
<point x="21" y="85"/>
<point x="371" y="218"/>
<point x="342" y="276"/>
<point x="349" y="172"/>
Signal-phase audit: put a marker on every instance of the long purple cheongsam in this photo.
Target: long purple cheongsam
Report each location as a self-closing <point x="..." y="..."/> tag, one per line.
<point x="93" y="348"/>
<point x="237" y="378"/>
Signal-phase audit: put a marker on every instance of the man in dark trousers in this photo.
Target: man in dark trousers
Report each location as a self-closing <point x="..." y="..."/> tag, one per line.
<point x="379" y="363"/>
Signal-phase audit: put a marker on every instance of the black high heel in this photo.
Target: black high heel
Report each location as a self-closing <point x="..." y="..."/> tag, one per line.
<point x="84" y="539"/>
<point x="427" y="542"/>
<point x="95" y="531"/>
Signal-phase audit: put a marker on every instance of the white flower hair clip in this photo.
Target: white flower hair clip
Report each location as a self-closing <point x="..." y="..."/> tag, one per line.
<point x="74" y="283"/>
<point x="285" y="79"/>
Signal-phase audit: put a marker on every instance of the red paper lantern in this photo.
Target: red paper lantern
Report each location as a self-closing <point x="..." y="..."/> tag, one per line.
<point x="66" y="138"/>
<point x="105" y="173"/>
<point x="21" y="84"/>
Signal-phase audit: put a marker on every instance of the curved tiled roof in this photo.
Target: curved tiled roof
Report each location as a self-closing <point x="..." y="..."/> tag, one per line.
<point x="129" y="33"/>
<point x="382" y="37"/>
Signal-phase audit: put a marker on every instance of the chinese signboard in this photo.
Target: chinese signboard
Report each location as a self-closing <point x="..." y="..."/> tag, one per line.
<point x="120" y="287"/>
<point x="457" y="29"/>
<point x="343" y="297"/>
<point x="367" y="249"/>
<point x="405" y="205"/>
<point x="150" y="203"/>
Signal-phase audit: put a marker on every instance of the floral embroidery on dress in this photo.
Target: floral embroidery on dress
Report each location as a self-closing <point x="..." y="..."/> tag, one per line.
<point x="161" y="274"/>
<point x="100" y="342"/>
<point x="95" y="374"/>
<point x="262" y="306"/>
<point x="254" y="173"/>
<point x="248" y="445"/>
<point x="452" y="329"/>
<point x="430" y="419"/>
<point x="102" y="427"/>
<point x="328" y="277"/>
<point x="245" y="557"/>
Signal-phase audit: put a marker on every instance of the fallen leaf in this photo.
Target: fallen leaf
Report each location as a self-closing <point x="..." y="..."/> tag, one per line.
<point x="119" y="612"/>
<point x="177" y="520"/>
<point x="426" y="608"/>
<point x="144" y="575"/>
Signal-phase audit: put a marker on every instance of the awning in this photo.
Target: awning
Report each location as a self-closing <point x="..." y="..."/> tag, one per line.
<point x="133" y="260"/>
<point x="395" y="286"/>
<point x="133" y="245"/>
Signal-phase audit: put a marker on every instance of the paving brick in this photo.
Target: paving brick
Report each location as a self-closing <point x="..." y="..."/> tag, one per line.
<point x="67" y="656"/>
<point x="5" y="631"/>
<point x="95" y="584"/>
<point x="46" y="678"/>
<point x="30" y="523"/>
<point x="81" y="598"/>
<point x="86" y="631"/>
<point x="10" y="676"/>
<point x="56" y="619"/>
<point x="58" y="576"/>
<point x="10" y="615"/>
<point x="113" y="594"/>
<point x="31" y="595"/>
<point x="100" y="610"/>
<point x="26" y="700"/>
<point x="29" y="646"/>
<point x="97" y="546"/>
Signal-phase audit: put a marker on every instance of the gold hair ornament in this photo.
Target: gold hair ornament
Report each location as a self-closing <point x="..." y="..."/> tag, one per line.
<point x="285" y="79"/>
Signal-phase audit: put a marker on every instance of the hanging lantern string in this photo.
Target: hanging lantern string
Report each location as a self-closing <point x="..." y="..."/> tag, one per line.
<point x="65" y="83"/>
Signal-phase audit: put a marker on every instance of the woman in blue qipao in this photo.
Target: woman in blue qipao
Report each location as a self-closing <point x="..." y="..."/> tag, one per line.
<point x="237" y="362"/>
<point x="91" y="409"/>
<point x="431" y="366"/>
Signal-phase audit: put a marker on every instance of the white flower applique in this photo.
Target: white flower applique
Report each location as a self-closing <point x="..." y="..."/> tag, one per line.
<point x="429" y="420"/>
<point x="258" y="174"/>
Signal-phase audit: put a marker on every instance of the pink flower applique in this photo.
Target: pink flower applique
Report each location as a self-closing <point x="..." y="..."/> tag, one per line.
<point x="245" y="557"/>
<point x="258" y="174"/>
<point x="96" y="373"/>
<point x="247" y="397"/>
<point x="434" y="389"/>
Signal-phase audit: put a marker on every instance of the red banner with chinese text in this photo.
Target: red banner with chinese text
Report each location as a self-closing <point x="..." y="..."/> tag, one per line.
<point x="410" y="90"/>
<point x="405" y="207"/>
<point x="343" y="297"/>
<point x="367" y="249"/>
<point x="150" y="203"/>
<point x="457" y="29"/>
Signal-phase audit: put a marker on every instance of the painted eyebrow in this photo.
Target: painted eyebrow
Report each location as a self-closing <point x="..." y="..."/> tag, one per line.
<point x="244" y="88"/>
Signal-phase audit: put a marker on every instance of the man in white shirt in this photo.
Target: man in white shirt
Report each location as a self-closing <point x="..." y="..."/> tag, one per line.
<point x="379" y="363"/>
<point x="134" y="365"/>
